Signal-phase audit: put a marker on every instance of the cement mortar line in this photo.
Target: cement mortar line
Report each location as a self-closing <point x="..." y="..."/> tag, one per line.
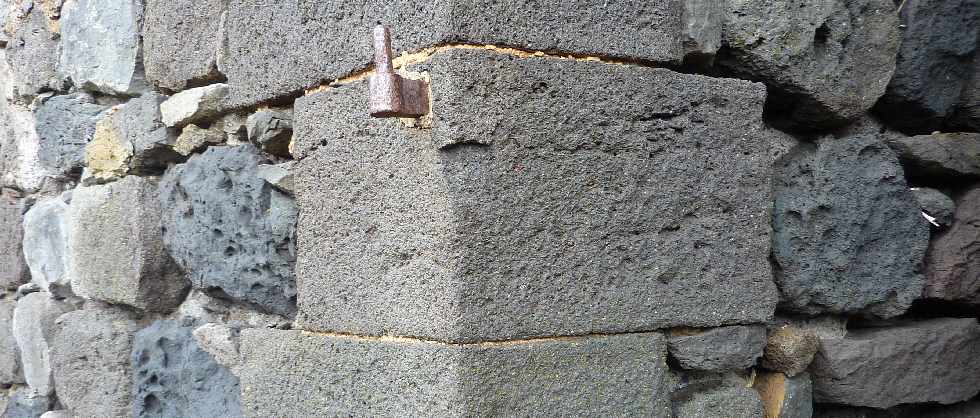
<point x="480" y="344"/>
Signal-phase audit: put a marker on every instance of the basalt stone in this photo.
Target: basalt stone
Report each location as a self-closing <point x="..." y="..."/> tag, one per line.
<point x="27" y="403"/>
<point x="10" y="370"/>
<point x="194" y="105"/>
<point x="848" y="233"/>
<point x="293" y="373"/>
<point x="967" y="116"/>
<point x="181" y="40"/>
<point x="939" y="156"/>
<point x="715" y="396"/>
<point x="132" y="139"/>
<point x="20" y="165"/>
<point x="703" y="23"/>
<point x="90" y="360"/>
<point x="939" y="40"/>
<point x="13" y="269"/>
<point x="785" y="397"/>
<point x="46" y="245"/>
<point x="279" y="176"/>
<point x="271" y="130"/>
<point x="230" y="230"/>
<point x="718" y="349"/>
<point x="222" y="342"/>
<point x="194" y="139"/>
<point x="61" y="413"/>
<point x="32" y="54"/>
<point x="936" y="205"/>
<point x="934" y="360"/>
<point x="464" y="231"/>
<point x="953" y="261"/>
<point x="116" y="247"/>
<point x="174" y="377"/>
<point x="34" y="329"/>
<point x="826" y="62"/>
<point x="101" y="45"/>
<point x="64" y="125"/>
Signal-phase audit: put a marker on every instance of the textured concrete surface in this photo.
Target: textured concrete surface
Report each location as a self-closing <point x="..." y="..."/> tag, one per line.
<point x="936" y="204"/>
<point x="953" y="261"/>
<point x="785" y="397"/>
<point x="13" y="268"/>
<point x="45" y="244"/>
<point x="718" y="349"/>
<point x="65" y="124"/>
<point x="181" y="40"/>
<point x="10" y="370"/>
<point x="644" y="205"/>
<point x="292" y="373"/>
<point x="34" y="328"/>
<point x="100" y="42"/>
<point x="848" y="234"/>
<point x="939" y="156"/>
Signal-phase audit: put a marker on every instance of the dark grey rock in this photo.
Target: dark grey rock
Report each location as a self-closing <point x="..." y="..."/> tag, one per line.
<point x="34" y="329"/>
<point x="464" y="231"/>
<point x="271" y="130"/>
<point x="101" y="45"/>
<point x="10" y="370"/>
<point x="717" y="349"/>
<point x="939" y="156"/>
<point x="293" y="373"/>
<point x="934" y="360"/>
<point x="13" y="268"/>
<point x="785" y="397"/>
<point x="715" y="396"/>
<point x="27" y="403"/>
<point x="230" y="230"/>
<point x="133" y="140"/>
<point x="848" y="234"/>
<point x="953" y="261"/>
<point x="967" y="116"/>
<point x="90" y="359"/>
<point x="279" y="176"/>
<point x="826" y="62"/>
<point x="181" y="40"/>
<point x="939" y="38"/>
<point x="703" y="23"/>
<point x="65" y="124"/>
<point x="174" y="377"/>
<point x="45" y="245"/>
<point x="936" y="204"/>
<point x="33" y="52"/>
<point x="970" y="409"/>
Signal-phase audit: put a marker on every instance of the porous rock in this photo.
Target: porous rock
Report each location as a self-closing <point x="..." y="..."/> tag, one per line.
<point x="785" y="397"/>
<point x="714" y="396"/>
<point x="939" y="156"/>
<point x="193" y="139"/>
<point x="13" y="269"/>
<point x="953" y="261"/>
<point x="289" y="373"/>
<point x="194" y="105"/>
<point x="825" y="61"/>
<point x="703" y="22"/>
<point x="937" y="205"/>
<point x="967" y="116"/>
<point x="717" y="349"/>
<point x="46" y="245"/>
<point x="132" y="139"/>
<point x="34" y="329"/>
<point x="181" y="40"/>
<point x="790" y="349"/>
<point x="271" y="130"/>
<point x="101" y="45"/>
<point x="848" y="234"/>
<point x="935" y="360"/>
<point x="217" y="201"/>
<point x="64" y="125"/>
<point x="27" y="403"/>
<point x="32" y="54"/>
<point x="10" y="370"/>
<point x="174" y="377"/>
<point x="116" y="247"/>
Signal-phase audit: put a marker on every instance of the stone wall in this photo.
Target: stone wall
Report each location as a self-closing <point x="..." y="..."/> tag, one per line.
<point x="684" y="208"/>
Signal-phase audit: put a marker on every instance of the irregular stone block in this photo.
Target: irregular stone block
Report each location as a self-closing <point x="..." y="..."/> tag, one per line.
<point x="34" y="329"/>
<point x="101" y="45"/>
<point x="232" y="232"/>
<point x="939" y="156"/>
<point x="717" y="349"/>
<point x="848" y="234"/>
<point x="13" y="269"/>
<point x="271" y="130"/>
<point x="200" y="309"/>
<point x="279" y="176"/>
<point x="181" y="40"/>
<point x="132" y="139"/>
<point x="174" y="377"/>
<point x="27" y="403"/>
<point x="715" y="396"/>
<point x="65" y="124"/>
<point x="61" y="413"/>
<point x="46" y="245"/>
<point x="790" y="349"/>
<point x="826" y="61"/>
<point x="785" y="397"/>
<point x="939" y="38"/>
<point x="222" y="342"/>
<point x="703" y="23"/>
<point x="967" y="116"/>
<point x="934" y="360"/>
<point x="32" y="54"/>
<point x="90" y="360"/>
<point x="10" y="370"/>
<point x="953" y="261"/>
<point x="290" y="373"/>
<point x="20" y="165"/>
<point x="936" y="206"/>
<point x="444" y="233"/>
<point x="194" y="105"/>
<point x="116" y="247"/>
<point x="194" y="139"/>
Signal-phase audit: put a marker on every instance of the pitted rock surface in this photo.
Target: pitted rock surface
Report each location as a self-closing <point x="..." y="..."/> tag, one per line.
<point x="27" y="403"/>
<point x="13" y="268"/>
<point x="65" y="124"/>
<point x="181" y="40"/>
<point x="953" y="261"/>
<point x="32" y="53"/>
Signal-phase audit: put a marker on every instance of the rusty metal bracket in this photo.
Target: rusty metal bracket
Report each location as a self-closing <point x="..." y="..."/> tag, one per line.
<point x="394" y="96"/>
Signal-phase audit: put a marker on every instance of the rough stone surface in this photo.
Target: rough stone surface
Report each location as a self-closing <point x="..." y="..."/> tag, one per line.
<point x="937" y="205"/>
<point x="181" y="40"/>
<point x="132" y="139"/>
<point x="785" y="397"/>
<point x="967" y="117"/>
<point x="715" y="396"/>
<point x="200" y="309"/>
<point x="848" y="234"/>
<point x="289" y="373"/>
<point x="20" y="165"/>
<point x="825" y="61"/>
<point x="32" y="54"/>
<point x="953" y="261"/>
<point x="271" y="130"/>
<point x="34" y="329"/>
<point x="13" y="269"/>
<point x="222" y="342"/>
<point x="941" y="155"/>
<point x="101" y="45"/>
<point x="467" y="231"/>
<point x="61" y="413"/>
<point x="174" y="377"/>
<point x="279" y="176"/>
<point x="718" y="349"/>
<point x="790" y="349"/>
<point x="10" y="370"/>
<point x="960" y="410"/>
<point x="117" y="251"/>
<point x="27" y="403"/>
<point x="703" y="23"/>
<point x="64" y="125"/>
<point x="194" y="139"/>
<point x="939" y="38"/>
<point x="194" y="105"/>
<point x="927" y="361"/>
<point x="90" y="359"/>
<point x="46" y="245"/>
<point x="216" y="201"/>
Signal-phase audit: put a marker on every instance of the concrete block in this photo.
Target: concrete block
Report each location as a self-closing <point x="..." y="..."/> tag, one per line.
<point x="181" y="40"/>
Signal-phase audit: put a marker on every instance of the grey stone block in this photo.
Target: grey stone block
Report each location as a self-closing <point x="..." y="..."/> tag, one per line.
<point x="32" y="54"/>
<point x="19" y="160"/>
<point x="117" y="250"/>
<point x="222" y="342"/>
<point x="934" y="360"/>
<point x="714" y="396"/>
<point x="61" y="413"/>
<point x="27" y="403"/>
<point x="90" y="359"/>
<point x="953" y="261"/>
<point x="101" y="45"/>
<point x="194" y="105"/>
<point x="195" y="139"/>
<point x="294" y="373"/>
<point x="34" y="329"/>
<point x="45" y="245"/>
<point x="967" y="116"/>
<point x="13" y="269"/>
<point x="936" y="205"/>
<point x="231" y="231"/>
<point x="785" y="397"/>
<point x="848" y="234"/>
<point x="174" y="377"/>
<point x="488" y="227"/>
<point x="717" y="349"/>
<point x="825" y="61"/>
<point x="271" y="130"/>
<point x="279" y="176"/>
<point x="939" y="156"/>
<point x="64" y="125"/>
<point x="10" y="369"/>
<point x="181" y="40"/>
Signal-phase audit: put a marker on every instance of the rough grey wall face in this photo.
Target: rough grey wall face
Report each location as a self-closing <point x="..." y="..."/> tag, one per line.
<point x="181" y="40"/>
<point x="101" y="45"/>
<point x="718" y="349"/>
<point x="10" y="370"/>
<point x="26" y="403"/>
<point x="34" y="328"/>
<point x="132" y="139"/>
<point x="582" y="376"/>
<point x="65" y="124"/>
<point x="13" y="268"/>
<point x="939" y="156"/>
<point x="46" y="245"/>
<point x="954" y="259"/>
<point x="32" y="53"/>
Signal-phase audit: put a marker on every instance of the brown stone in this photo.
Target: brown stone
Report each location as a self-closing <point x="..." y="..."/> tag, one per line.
<point x="790" y="349"/>
<point x="953" y="260"/>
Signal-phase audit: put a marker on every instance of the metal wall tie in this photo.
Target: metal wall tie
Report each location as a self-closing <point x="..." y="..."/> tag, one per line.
<point x="394" y="96"/>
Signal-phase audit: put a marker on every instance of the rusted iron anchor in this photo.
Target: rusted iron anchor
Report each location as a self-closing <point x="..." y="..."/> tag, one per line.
<point x="394" y="96"/>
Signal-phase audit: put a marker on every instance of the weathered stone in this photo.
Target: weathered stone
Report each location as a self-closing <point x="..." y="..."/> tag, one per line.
<point x="132" y="139"/>
<point x="64" y="125"/>
<point x="174" y="377"/>
<point x="825" y="61"/>
<point x="785" y="397"/>
<point x="194" y="139"/>
<point x="181" y="40"/>
<point x="703" y="22"/>
<point x="26" y="289"/>
<point x="967" y="116"/>
<point x="936" y="206"/>
<point x="960" y="410"/>
<point x="790" y="349"/>
<point x="13" y="269"/>
<point x="443" y="232"/>
<point x="232" y="232"/>
<point x="200" y="309"/>
<point x="233" y="125"/>
<point x="222" y="342"/>
<point x="715" y="396"/>
<point x="279" y="176"/>
<point x="61" y="413"/>
<point x="34" y="329"/>
<point x="10" y="370"/>
<point x="939" y="156"/>
<point x="101" y="45"/>
<point x="194" y="105"/>
<point x="717" y="349"/>
<point x="939" y="38"/>
<point x="27" y="403"/>
<point x="46" y="245"/>
<point x="953" y="261"/>
<point x="848" y="234"/>
<point x="116" y="247"/>
<point x="289" y="373"/>
<point x="20" y="165"/>
<point x="271" y="130"/>
<point x="927" y="361"/>
<point x="90" y="360"/>
<point x="32" y="53"/>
